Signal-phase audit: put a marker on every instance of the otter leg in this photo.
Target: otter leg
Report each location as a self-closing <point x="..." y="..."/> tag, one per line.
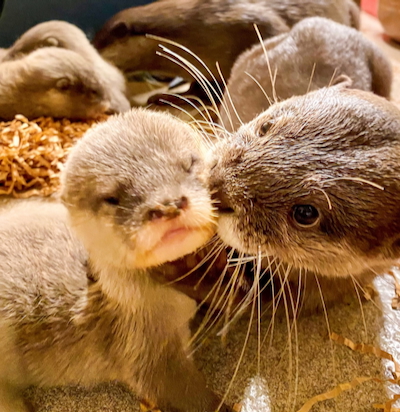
<point x="172" y="381"/>
<point x="12" y="381"/>
<point x="11" y="399"/>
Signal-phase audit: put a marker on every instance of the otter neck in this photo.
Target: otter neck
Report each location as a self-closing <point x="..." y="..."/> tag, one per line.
<point x="122" y="286"/>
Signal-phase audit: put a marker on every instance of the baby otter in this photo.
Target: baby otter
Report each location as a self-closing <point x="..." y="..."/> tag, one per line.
<point x="67" y="36"/>
<point x="88" y="312"/>
<point x="334" y="49"/>
<point x="313" y="181"/>
<point x="216" y="30"/>
<point x="50" y="82"/>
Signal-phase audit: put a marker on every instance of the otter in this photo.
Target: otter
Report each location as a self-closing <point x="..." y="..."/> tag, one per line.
<point x="313" y="182"/>
<point x="67" y="36"/>
<point x="51" y="82"/>
<point x="77" y="304"/>
<point x="216" y="30"/>
<point x="336" y="51"/>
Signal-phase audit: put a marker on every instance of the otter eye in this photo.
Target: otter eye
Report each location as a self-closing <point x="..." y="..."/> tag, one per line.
<point x="93" y="93"/>
<point x="264" y="129"/>
<point x="112" y="200"/>
<point x="63" y="84"/>
<point x="188" y="166"/>
<point x="305" y="215"/>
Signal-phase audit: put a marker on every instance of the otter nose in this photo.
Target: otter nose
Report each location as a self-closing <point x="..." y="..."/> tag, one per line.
<point x="169" y="209"/>
<point x="222" y="201"/>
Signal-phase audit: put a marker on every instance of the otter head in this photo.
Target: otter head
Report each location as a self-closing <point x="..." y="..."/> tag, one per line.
<point x="314" y="181"/>
<point x="52" y="33"/>
<point x="136" y="190"/>
<point x="58" y="83"/>
<point x="64" y="35"/>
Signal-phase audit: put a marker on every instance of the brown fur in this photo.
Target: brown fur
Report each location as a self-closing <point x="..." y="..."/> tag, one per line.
<point x="307" y="153"/>
<point x="216" y="30"/>
<point x="335" y="50"/>
<point x="124" y="187"/>
<point x="50" y="82"/>
<point x="67" y="36"/>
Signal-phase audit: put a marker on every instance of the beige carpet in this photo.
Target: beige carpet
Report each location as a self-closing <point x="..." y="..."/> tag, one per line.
<point x="291" y="370"/>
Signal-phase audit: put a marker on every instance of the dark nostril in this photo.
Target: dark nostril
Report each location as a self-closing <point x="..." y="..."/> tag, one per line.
<point x="155" y="214"/>
<point x="182" y="203"/>
<point x="222" y="202"/>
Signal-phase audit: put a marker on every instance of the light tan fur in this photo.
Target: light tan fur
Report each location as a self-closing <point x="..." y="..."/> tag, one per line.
<point x="65" y="35"/>
<point x="51" y="82"/>
<point x="78" y="303"/>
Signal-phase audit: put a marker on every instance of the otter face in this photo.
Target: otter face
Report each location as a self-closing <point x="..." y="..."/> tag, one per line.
<point x="314" y="182"/>
<point x="60" y="84"/>
<point x="136" y="191"/>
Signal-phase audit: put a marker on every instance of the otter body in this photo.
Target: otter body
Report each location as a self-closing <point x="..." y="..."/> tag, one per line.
<point x="334" y="49"/>
<point x="313" y="181"/>
<point x="67" y="36"/>
<point x="51" y="82"/>
<point x="216" y="31"/>
<point x="77" y="305"/>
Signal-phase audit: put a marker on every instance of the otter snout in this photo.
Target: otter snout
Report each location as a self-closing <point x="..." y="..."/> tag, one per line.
<point x="169" y="209"/>
<point x="221" y="199"/>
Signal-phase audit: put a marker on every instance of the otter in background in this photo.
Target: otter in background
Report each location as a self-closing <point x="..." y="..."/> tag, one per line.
<point x="314" y="54"/>
<point x="67" y="36"/>
<point x="51" y="82"/>
<point x="216" y="30"/>
<point x="313" y="182"/>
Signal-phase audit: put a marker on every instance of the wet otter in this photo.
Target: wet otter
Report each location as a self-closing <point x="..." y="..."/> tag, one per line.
<point x="135" y="191"/>
<point x="313" y="181"/>
<point x="334" y="49"/>
<point x="67" y="36"/>
<point x="51" y="82"/>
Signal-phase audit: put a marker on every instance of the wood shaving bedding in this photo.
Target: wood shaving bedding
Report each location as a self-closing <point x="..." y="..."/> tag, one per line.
<point x="346" y="386"/>
<point x="32" y="153"/>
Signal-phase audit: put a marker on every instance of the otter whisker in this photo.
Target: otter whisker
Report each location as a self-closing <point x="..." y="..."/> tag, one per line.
<point x="181" y="109"/>
<point x="245" y="341"/>
<point x="192" y="69"/>
<point x="268" y="62"/>
<point x="326" y="196"/>
<point x="225" y="106"/>
<point x="356" y="179"/>
<point x="332" y="78"/>
<point x="361" y="305"/>
<point x="214" y="251"/>
<point x="211" y="310"/>
<point x="311" y="77"/>
<point x="328" y="327"/>
<point x="259" y="85"/>
<point x="180" y="46"/>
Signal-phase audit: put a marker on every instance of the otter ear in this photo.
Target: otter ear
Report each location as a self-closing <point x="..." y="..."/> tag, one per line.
<point x="63" y="84"/>
<point x="119" y="30"/>
<point x="342" y="81"/>
<point x="51" y="42"/>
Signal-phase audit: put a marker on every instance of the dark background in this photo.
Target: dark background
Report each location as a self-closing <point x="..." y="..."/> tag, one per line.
<point x="20" y="15"/>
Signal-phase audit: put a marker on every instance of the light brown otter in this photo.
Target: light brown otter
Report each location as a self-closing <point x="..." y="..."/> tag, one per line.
<point x="136" y="195"/>
<point x="67" y="36"/>
<point x="313" y="181"/>
<point x="334" y="49"/>
<point x="51" y="82"/>
<point x="216" y="30"/>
